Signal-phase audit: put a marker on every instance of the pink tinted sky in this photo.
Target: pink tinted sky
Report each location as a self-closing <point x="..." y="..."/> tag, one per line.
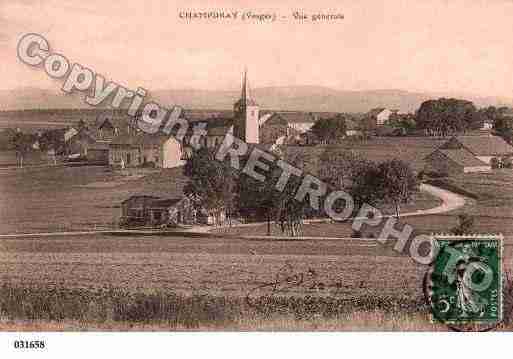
<point x="431" y="45"/>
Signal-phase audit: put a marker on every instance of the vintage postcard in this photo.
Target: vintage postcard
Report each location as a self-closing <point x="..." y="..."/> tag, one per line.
<point x="311" y="166"/>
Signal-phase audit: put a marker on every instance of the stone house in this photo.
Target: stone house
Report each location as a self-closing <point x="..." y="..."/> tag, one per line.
<point x="144" y="149"/>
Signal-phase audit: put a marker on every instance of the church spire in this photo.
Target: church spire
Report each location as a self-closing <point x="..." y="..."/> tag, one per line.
<point x="245" y="87"/>
<point x="245" y="96"/>
<point x="246" y="112"/>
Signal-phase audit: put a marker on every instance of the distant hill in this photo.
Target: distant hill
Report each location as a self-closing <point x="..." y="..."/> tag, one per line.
<point x="299" y="98"/>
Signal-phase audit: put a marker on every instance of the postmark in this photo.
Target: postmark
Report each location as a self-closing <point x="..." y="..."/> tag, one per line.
<point x="463" y="285"/>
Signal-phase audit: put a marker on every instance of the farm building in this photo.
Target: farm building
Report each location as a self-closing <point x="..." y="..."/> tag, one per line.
<point x="144" y="210"/>
<point x="155" y="210"/>
<point x="454" y="161"/>
<point x="483" y="147"/>
<point x="139" y="149"/>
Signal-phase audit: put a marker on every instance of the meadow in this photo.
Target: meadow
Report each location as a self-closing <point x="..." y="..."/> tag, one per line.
<point x="74" y="198"/>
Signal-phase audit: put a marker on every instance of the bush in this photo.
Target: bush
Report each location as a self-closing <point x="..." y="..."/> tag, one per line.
<point x="177" y="310"/>
<point x="495" y="163"/>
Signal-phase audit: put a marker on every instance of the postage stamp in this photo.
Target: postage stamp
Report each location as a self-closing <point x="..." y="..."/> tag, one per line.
<point x="464" y="282"/>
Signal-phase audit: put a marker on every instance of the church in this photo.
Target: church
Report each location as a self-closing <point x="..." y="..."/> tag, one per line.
<point x="243" y="122"/>
<point x="251" y="124"/>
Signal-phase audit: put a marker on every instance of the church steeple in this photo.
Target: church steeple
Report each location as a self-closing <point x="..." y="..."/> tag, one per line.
<point x="245" y="96"/>
<point x="246" y="115"/>
<point x="245" y="89"/>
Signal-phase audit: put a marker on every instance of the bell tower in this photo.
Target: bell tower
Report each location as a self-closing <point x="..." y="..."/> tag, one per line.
<point x="245" y="110"/>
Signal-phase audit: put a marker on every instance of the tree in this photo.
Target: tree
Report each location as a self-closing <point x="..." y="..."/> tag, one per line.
<point x="337" y="166"/>
<point x="289" y="211"/>
<point x="397" y="182"/>
<point x="403" y="124"/>
<point x="330" y="130"/>
<point x="365" y="183"/>
<point x="257" y="199"/>
<point x="212" y="184"/>
<point x="52" y="139"/>
<point x="262" y="200"/>
<point x="445" y="117"/>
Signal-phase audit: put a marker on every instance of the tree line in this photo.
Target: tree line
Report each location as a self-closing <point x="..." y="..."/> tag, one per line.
<point x="217" y="188"/>
<point x="436" y="117"/>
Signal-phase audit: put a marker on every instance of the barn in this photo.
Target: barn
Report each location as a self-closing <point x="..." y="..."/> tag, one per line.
<point x="454" y="161"/>
<point x="483" y="148"/>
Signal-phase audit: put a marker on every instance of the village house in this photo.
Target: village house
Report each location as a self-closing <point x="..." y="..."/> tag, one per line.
<point x="484" y="148"/>
<point x="380" y="116"/>
<point x="90" y="141"/>
<point x="132" y="150"/>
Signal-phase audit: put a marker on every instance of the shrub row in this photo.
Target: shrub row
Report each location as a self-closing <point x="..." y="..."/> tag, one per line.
<point x="190" y="311"/>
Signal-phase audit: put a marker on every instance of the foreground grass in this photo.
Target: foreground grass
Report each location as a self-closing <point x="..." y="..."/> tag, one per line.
<point x="356" y="321"/>
<point x="61" y="309"/>
<point x="31" y="308"/>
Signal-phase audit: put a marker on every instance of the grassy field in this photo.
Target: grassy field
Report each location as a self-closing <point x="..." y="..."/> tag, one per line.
<point x="208" y="265"/>
<point x="206" y="280"/>
<point x="73" y="198"/>
<point x="494" y="192"/>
